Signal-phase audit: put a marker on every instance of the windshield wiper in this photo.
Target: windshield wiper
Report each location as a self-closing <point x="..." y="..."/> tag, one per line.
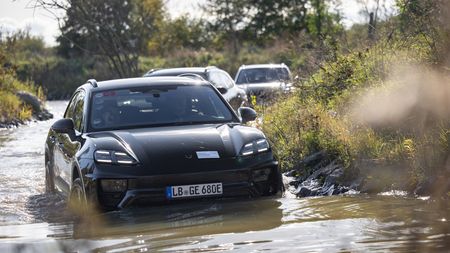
<point x="192" y="123"/>
<point x="230" y="124"/>
<point x="180" y="123"/>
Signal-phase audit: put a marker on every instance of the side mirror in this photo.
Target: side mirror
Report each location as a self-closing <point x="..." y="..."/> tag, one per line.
<point x="247" y="114"/>
<point x="222" y="90"/>
<point x="64" y="126"/>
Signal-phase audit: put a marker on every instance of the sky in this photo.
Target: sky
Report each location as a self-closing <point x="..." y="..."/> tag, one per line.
<point x="20" y="14"/>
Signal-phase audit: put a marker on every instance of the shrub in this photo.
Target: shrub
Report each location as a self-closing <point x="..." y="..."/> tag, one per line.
<point x="320" y="115"/>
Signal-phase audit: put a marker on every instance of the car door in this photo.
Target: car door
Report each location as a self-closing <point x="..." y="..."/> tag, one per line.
<point x="67" y="146"/>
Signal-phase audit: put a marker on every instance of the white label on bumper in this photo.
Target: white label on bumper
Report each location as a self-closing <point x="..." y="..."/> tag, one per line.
<point x="207" y="154"/>
<point x="185" y="191"/>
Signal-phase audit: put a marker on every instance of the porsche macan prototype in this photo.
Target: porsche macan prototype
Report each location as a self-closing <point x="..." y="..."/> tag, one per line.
<point x="156" y="140"/>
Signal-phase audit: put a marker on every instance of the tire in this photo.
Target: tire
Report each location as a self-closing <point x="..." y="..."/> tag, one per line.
<point x="77" y="198"/>
<point x="275" y="185"/>
<point x="280" y="184"/>
<point x="49" y="179"/>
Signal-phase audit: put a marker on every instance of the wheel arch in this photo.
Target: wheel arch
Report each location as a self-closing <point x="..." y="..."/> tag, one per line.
<point x="76" y="173"/>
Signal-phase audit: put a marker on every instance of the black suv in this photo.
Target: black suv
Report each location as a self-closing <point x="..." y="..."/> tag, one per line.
<point x="218" y="77"/>
<point x="156" y="139"/>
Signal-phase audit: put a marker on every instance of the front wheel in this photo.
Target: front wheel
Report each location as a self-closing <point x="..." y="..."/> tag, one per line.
<point x="275" y="183"/>
<point x="49" y="179"/>
<point x="77" y="199"/>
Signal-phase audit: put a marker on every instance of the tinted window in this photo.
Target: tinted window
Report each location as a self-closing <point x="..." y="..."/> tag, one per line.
<point x="74" y="110"/>
<point x="262" y="75"/>
<point x="69" y="110"/>
<point x="78" y="112"/>
<point x="220" y="79"/>
<point x="163" y="105"/>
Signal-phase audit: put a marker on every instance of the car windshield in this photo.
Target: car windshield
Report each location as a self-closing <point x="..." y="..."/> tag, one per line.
<point x="262" y="75"/>
<point x="162" y="105"/>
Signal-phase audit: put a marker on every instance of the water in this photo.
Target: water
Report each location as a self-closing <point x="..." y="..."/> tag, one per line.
<point x="32" y="221"/>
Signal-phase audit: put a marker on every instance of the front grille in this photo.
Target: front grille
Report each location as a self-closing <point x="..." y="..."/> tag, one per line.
<point x="161" y="181"/>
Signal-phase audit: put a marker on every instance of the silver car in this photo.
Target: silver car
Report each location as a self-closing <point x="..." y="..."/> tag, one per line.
<point x="263" y="80"/>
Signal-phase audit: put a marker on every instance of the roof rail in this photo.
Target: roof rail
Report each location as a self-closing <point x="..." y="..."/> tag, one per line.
<point x="192" y="76"/>
<point x="93" y="82"/>
<point x="151" y="71"/>
<point x="209" y="67"/>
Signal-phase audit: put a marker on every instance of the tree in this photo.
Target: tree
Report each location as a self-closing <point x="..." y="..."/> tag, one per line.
<point x="374" y="11"/>
<point x="115" y="30"/>
<point x="180" y="33"/>
<point x="261" y="21"/>
<point x="229" y="19"/>
<point x="321" y="21"/>
<point x="429" y="20"/>
<point x="273" y="18"/>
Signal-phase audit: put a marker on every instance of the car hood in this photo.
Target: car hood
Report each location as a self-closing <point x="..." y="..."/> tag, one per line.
<point x="166" y="148"/>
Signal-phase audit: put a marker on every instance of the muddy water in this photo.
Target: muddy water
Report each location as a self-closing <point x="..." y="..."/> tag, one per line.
<point x="31" y="221"/>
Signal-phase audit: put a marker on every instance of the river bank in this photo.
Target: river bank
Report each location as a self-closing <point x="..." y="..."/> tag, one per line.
<point x="31" y="108"/>
<point x="317" y="175"/>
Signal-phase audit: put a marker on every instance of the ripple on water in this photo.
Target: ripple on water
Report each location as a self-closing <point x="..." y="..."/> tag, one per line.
<point x="22" y="168"/>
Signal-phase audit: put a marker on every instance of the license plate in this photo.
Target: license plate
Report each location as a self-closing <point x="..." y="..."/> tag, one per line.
<point x="186" y="191"/>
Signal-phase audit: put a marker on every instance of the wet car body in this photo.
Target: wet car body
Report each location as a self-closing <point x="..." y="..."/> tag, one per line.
<point x="115" y="166"/>
<point x="264" y="80"/>
<point x="233" y="94"/>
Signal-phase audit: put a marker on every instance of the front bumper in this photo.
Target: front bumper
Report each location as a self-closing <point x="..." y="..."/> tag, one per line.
<point x="148" y="190"/>
<point x="266" y="90"/>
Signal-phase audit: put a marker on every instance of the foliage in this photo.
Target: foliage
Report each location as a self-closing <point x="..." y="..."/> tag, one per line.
<point x="140" y="36"/>
<point x="320" y="116"/>
<point x="429" y="19"/>
<point x="259" y="22"/>
<point x="228" y="23"/>
<point x="181" y="33"/>
<point x="116" y="31"/>
<point x="11" y="108"/>
<point x="59" y="77"/>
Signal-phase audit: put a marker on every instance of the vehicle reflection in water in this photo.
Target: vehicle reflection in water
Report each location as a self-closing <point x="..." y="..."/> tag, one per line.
<point x="191" y="218"/>
<point x="145" y="226"/>
<point x="32" y="221"/>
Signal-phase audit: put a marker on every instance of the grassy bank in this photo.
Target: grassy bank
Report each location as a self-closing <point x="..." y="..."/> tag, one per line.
<point x="374" y="106"/>
<point x="12" y="109"/>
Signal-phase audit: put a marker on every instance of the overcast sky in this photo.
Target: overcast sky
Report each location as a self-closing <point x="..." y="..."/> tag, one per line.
<point x="19" y="14"/>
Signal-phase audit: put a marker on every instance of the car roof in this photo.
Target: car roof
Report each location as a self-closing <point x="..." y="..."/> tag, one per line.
<point x="177" y="71"/>
<point x="257" y="66"/>
<point x="145" y="81"/>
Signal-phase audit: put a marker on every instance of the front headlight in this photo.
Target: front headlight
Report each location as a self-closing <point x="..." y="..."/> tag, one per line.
<point x="113" y="157"/>
<point x="255" y="147"/>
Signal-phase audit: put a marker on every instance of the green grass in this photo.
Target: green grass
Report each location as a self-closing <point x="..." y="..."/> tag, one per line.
<point x="11" y="107"/>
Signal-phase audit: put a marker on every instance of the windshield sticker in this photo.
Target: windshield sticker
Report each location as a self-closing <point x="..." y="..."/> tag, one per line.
<point x="207" y="154"/>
